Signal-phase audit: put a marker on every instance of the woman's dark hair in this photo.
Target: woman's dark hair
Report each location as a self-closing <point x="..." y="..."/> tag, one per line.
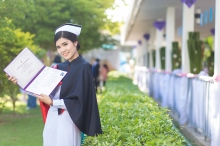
<point x="67" y="35"/>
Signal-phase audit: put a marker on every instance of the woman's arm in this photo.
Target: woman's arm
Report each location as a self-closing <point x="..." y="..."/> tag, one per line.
<point x="44" y="98"/>
<point x="58" y="103"/>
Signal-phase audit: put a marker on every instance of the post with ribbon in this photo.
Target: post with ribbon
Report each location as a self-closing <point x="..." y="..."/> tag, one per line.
<point x="138" y="52"/>
<point x="187" y="26"/>
<point x="189" y="3"/>
<point x="159" y="25"/>
<point x="170" y="37"/>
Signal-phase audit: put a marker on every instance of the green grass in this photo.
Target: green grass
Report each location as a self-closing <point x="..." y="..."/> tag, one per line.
<point x="21" y="129"/>
<point x="128" y="116"/>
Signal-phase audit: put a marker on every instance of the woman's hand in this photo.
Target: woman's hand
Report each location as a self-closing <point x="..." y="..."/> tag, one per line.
<point x="13" y="79"/>
<point x="44" y="98"/>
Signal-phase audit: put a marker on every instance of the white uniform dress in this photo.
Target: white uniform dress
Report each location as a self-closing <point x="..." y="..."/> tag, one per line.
<point x="59" y="130"/>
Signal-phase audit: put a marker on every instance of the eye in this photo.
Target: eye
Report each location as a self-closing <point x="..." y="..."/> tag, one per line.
<point x="58" y="47"/>
<point x="65" y="44"/>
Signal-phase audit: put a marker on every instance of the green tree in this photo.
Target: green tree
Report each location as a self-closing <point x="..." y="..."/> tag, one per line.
<point x="8" y="9"/>
<point x="12" y="41"/>
<point x="209" y="54"/>
<point x="42" y="17"/>
<point x="12" y="48"/>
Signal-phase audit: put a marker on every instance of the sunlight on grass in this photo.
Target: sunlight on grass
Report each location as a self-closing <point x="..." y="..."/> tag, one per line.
<point x="20" y="107"/>
<point x="116" y="74"/>
<point x="21" y="129"/>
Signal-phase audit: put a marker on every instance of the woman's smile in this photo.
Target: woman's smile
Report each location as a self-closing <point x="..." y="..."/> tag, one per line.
<point x="65" y="54"/>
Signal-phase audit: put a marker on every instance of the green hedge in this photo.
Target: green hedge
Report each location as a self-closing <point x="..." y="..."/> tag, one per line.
<point x="176" y="56"/>
<point x="195" y="52"/>
<point x="163" y="57"/>
<point x="154" y="57"/>
<point x="210" y="61"/>
<point x="130" y="117"/>
<point x="148" y="59"/>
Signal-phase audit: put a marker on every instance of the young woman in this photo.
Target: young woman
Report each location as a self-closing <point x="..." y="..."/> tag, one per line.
<point x="73" y="105"/>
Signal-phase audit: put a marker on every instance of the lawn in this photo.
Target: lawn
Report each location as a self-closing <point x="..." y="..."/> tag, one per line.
<point x="128" y="117"/>
<point x="23" y="129"/>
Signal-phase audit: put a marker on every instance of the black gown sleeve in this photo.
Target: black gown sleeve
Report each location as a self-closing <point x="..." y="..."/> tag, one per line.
<point x="81" y="102"/>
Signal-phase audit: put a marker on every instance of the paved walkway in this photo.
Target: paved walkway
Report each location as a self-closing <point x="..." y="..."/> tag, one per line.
<point x="195" y="138"/>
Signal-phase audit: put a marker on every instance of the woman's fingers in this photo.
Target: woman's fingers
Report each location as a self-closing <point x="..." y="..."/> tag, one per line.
<point x="38" y="96"/>
<point x="14" y="80"/>
<point x="44" y="98"/>
<point x="11" y="78"/>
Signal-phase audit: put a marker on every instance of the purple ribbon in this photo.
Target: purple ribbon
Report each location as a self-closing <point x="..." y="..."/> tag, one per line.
<point x="139" y="42"/>
<point x="212" y="31"/>
<point x="147" y="36"/>
<point x="159" y="24"/>
<point x="189" y="3"/>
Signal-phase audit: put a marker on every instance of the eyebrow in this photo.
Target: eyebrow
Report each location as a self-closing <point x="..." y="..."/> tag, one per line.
<point x="64" y="42"/>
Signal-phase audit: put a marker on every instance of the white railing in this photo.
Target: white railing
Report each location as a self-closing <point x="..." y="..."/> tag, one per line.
<point x="195" y="99"/>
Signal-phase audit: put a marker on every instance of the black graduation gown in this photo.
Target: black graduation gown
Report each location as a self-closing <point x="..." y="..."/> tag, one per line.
<point x="78" y="93"/>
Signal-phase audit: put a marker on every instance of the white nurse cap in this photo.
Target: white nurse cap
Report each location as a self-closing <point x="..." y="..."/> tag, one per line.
<point x="73" y="28"/>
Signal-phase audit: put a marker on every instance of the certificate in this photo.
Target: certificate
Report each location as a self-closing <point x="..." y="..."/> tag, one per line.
<point x="32" y="75"/>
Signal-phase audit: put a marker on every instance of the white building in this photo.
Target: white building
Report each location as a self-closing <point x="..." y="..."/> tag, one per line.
<point x="195" y="98"/>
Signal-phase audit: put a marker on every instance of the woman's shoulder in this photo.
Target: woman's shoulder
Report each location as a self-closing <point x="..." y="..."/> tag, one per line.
<point x="85" y="63"/>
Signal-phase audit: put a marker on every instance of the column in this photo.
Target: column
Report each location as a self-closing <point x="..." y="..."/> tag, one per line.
<point x="137" y="55"/>
<point x="139" y="58"/>
<point x="159" y="39"/>
<point x="187" y="26"/>
<point x="217" y="39"/>
<point x="142" y="52"/>
<point x="151" y="46"/>
<point x="170" y="35"/>
<point x="146" y="48"/>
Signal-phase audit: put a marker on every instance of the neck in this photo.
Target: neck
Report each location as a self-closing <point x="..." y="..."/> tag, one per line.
<point x="74" y="57"/>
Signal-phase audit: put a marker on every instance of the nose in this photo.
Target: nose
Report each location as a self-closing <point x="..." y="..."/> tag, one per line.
<point x="63" y="49"/>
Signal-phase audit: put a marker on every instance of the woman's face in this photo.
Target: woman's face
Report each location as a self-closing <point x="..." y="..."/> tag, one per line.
<point x="67" y="49"/>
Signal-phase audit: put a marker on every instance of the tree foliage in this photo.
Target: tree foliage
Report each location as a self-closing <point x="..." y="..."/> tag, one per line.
<point x="43" y="17"/>
<point x="9" y="49"/>
<point x="209" y="54"/>
<point x="31" y="23"/>
<point x="12" y="41"/>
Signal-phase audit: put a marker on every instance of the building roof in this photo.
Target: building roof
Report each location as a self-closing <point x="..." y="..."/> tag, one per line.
<point x="143" y="13"/>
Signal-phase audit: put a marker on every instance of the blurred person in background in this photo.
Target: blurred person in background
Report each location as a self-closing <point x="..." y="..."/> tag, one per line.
<point x="31" y="102"/>
<point x="57" y="60"/>
<point x="95" y="72"/>
<point x="103" y="76"/>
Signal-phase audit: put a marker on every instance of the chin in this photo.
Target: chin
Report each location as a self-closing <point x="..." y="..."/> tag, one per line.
<point x="66" y="57"/>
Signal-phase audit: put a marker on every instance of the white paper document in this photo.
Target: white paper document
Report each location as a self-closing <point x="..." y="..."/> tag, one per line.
<point x="32" y="75"/>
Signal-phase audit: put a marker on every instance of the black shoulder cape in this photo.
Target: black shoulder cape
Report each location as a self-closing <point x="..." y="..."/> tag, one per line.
<point x="78" y="93"/>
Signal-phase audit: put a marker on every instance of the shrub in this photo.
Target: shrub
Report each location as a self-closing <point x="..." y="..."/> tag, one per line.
<point x="130" y="117"/>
